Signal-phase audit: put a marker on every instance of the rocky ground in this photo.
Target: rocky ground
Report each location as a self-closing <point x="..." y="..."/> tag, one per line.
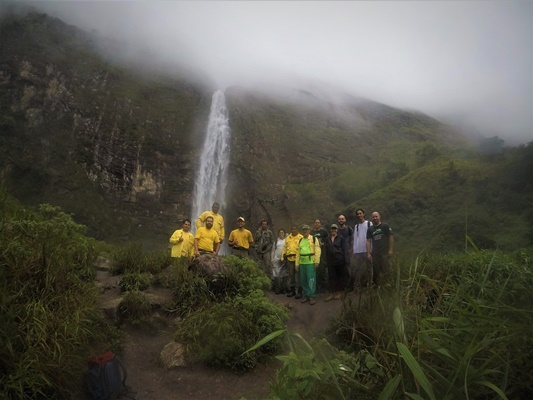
<point x="152" y="375"/>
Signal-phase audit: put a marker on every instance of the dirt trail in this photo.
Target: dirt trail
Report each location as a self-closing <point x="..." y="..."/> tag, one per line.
<point x="150" y="380"/>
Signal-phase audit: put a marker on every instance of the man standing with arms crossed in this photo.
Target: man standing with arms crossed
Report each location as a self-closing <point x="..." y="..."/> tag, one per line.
<point x="379" y="246"/>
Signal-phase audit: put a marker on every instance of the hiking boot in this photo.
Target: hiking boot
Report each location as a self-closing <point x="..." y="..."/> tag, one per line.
<point x="312" y="302"/>
<point x="337" y="296"/>
<point x="329" y="298"/>
<point x="305" y="300"/>
<point x="291" y="293"/>
<point x="298" y="296"/>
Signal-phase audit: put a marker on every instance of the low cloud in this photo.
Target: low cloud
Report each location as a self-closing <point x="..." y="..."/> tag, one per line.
<point x="466" y="62"/>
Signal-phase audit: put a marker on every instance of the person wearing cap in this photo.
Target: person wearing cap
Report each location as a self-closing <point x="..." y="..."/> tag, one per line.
<point x="182" y="242"/>
<point x="240" y="240"/>
<point x="289" y="255"/>
<point x="338" y="258"/>
<point x="322" y="272"/>
<point x="307" y="260"/>
<point x="218" y="221"/>
<point x="206" y="240"/>
<point x="264" y="239"/>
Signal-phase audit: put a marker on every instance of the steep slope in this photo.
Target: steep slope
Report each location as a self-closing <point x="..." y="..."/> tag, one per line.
<point x="302" y="157"/>
<point x="115" y="148"/>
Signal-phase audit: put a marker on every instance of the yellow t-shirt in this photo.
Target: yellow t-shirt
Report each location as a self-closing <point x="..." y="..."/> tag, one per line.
<point x="206" y="238"/>
<point x="240" y="238"/>
<point x="218" y="222"/>
<point x="184" y="248"/>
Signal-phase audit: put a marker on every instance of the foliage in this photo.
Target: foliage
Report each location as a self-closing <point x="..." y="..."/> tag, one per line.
<point x="48" y="309"/>
<point x="317" y="370"/>
<point x="135" y="308"/>
<point x="134" y="281"/>
<point x="132" y="259"/>
<point x="449" y="327"/>
<point x="219" y="334"/>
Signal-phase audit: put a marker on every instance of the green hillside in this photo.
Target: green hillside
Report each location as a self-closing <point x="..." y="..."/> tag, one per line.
<point x="119" y="149"/>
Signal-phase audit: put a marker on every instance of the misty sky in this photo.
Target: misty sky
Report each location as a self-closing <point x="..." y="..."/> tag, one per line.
<point x="470" y="60"/>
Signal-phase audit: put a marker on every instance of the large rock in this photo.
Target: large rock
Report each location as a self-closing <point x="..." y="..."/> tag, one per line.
<point x="208" y="265"/>
<point x="173" y="355"/>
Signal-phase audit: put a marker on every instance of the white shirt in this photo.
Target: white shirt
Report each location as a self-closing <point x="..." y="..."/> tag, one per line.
<point x="359" y="237"/>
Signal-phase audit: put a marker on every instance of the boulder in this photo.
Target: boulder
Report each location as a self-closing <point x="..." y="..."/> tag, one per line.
<point x="208" y="265"/>
<point x="173" y="355"/>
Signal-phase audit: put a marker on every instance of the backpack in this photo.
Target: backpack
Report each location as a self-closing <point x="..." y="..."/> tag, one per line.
<point x="106" y="378"/>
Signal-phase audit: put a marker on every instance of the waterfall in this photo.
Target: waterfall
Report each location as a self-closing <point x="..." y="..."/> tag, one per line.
<point x="212" y="176"/>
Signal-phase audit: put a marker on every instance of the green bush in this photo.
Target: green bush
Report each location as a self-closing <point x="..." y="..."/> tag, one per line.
<point x="135" y="308"/>
<point x="218" y="335"/>
<point x="132" y="259"/>
<point x="49" y="313"/>
<point x="133" y="281"/>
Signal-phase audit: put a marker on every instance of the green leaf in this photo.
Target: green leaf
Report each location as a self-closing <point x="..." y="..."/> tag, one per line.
<point x="265" y="340"/>
<point x="495" y="388"/>
<point x="416" y="370"/>
<point x="390" y="388"/>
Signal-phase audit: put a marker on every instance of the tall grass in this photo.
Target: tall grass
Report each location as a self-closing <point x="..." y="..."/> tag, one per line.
<point x="444" y="327"/>
<point x="48" y="309"/>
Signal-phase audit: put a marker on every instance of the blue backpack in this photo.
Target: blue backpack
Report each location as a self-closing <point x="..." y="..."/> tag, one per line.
<point x="106" y="378"/>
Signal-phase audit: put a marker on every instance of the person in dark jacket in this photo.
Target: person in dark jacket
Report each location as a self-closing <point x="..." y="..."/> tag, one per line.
<point x="338" y="260"/>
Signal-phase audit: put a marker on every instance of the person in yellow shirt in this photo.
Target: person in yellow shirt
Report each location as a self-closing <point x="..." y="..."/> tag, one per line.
<point x="289" y="255"/>
<point x="182" y="242"/>
<point x="240" y="240"/>
<point x="206" y="240"/>
<point x="218" y="221"/>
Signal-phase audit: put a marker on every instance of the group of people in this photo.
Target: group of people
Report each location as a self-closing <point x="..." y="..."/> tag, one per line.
<point x="299" y="262"/>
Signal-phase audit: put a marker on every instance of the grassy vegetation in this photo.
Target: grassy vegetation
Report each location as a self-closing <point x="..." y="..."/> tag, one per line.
<point x="49" y="315"/>
<point x="224" y="316"/>
<point x="444" y="327"/>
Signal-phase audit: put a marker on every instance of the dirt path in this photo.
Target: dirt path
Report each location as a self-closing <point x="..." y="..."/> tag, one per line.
<point x="150" y="380"/>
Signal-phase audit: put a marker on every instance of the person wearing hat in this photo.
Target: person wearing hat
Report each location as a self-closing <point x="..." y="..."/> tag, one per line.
<point x="338" y="257"/>
<point x="240" y="240"/>
<point x="307" y="260"/>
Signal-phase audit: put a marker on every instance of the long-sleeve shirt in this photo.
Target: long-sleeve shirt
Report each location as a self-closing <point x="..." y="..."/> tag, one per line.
<point x="184" y="248"/>
<point x="308" y="251"/>
<point x="291" y="245"/>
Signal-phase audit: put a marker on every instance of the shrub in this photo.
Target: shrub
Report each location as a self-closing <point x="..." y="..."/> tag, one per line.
<point x="48" y="307"/>
<point x="133" y="259"/>
<point x="219" y="334"/>
<point x="135" y="308"/>
<point x="134" y="281"/>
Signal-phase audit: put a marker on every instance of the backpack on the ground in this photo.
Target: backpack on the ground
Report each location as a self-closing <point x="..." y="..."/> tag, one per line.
<point x="106" y="378"/>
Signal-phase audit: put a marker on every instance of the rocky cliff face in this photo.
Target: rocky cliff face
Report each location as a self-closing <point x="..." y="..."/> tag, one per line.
<point x="116" y="148"/>
<point x="119" y="148"/>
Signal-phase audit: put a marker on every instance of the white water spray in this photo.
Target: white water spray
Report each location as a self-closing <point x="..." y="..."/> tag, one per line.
<point x="212" y="176"/>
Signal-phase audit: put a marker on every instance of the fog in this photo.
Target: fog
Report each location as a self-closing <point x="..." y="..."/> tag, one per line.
<point x="465" y="62"/>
